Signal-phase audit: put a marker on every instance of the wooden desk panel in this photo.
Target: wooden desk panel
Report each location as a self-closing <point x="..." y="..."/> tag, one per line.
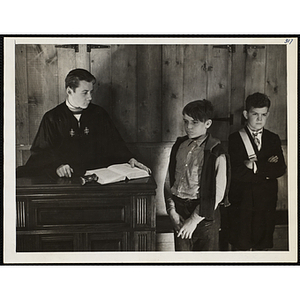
<point x="62" y="215"/>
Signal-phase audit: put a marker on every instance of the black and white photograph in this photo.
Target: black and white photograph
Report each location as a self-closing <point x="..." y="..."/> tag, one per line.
<point x="150" y="150"/>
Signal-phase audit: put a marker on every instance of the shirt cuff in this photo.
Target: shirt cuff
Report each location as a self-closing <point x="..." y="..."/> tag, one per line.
<point x="254" y="167"/>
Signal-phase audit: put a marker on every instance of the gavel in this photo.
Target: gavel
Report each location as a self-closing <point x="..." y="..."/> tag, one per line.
<point x="88" y="178"/>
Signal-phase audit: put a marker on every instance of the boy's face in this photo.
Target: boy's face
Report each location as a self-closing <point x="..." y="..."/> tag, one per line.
<point x="195" y="128"/>
<point x="82" y="96"/>
<point x="256" y="117"/>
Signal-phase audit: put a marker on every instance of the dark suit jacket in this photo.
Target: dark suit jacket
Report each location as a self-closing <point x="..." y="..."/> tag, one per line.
<point x="255" y="191"/>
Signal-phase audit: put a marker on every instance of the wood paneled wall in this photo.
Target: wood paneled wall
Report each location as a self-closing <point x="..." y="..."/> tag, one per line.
<point x="144" y="88"/>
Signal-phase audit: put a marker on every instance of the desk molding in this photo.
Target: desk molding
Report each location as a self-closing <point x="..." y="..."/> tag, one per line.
<point x="70" y="217"/>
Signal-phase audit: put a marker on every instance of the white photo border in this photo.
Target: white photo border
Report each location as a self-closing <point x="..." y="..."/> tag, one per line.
<point x="10" y="256"/>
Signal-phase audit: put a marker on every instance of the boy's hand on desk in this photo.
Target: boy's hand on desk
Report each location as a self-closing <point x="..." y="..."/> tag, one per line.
<point x="273" y="159"/>
<point x="64" y="171"/>
<point x="134" y="163"/>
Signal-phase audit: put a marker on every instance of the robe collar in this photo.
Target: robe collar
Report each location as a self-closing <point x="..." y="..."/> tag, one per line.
<point x="73" y="109"/>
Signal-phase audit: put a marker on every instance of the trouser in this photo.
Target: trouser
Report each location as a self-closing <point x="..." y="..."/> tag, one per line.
<point x="206" y="235"/>
<point x="251" y="229"/>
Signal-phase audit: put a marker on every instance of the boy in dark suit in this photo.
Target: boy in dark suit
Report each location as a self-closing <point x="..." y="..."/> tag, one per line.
<point x="253" y="190"/>
<point x="197" y="181"/>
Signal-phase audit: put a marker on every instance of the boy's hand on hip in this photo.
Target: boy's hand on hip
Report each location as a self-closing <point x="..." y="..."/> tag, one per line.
<point x="187" y="228"/>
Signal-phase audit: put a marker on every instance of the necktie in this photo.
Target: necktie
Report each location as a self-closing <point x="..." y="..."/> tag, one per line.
<point x="256" y="139"/>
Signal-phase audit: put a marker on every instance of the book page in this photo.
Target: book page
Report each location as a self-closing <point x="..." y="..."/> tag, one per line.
<point x="106" y="176"/>
<point x="126" y="170"/>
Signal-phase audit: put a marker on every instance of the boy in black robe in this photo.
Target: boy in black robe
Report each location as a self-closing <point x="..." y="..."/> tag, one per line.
<point x="76" y="135"/>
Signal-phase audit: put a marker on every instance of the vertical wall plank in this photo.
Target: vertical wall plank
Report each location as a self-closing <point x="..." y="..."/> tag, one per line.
<point x="22" y="120"/>
<point x="35" y="93"/>
<point x="238" y="87"/>
<point x="149" y="93"/>
<point x="82" y="57"/>
<point x="282" y="203"/>
<point x="42" y="85"/>
<point x="218" y="89"/>
<point x="49" y="76"/>
<point x="124" y="90"/>
<point x="255" y="70"/>
<point x="66" y="62"/>
<point x="276" y="89"/>
<point x="172" y="92"/>
<point x="101" y="69"/>
<point x="194" y="73"/>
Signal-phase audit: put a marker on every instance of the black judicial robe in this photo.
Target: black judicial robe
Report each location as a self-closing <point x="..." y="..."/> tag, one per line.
<point x="61" y="139"/>
<point x="253" y="196"/>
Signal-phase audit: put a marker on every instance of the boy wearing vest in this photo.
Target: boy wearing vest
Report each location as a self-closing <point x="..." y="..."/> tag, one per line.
<point x="197" y="181"/>
<point x="256" y="163"/>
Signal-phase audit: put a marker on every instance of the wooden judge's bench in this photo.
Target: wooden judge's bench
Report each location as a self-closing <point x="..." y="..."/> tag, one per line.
<point x="63" y="215"/>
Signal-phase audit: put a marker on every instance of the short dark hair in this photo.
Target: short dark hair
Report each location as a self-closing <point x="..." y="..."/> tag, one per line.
<point x="257" y="100"/>
<point x="201" y="110"/>
<point x="75" y="76"/>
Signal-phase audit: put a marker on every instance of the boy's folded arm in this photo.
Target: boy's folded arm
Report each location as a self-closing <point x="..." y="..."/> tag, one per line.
<point x="260" y="171"/>
<point x="242" y="173"/>
<point x="239" y="171"/>
<point x="273" y="166"/>
<point x="268" y="169"/>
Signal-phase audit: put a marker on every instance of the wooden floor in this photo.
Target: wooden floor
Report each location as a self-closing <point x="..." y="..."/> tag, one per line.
<point x="280" y="238"/>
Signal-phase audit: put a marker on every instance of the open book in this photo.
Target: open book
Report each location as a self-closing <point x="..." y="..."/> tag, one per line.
<point x="118" y="172"/>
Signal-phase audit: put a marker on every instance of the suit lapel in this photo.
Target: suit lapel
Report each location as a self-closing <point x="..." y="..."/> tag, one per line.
<point x="265" y="142"/>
